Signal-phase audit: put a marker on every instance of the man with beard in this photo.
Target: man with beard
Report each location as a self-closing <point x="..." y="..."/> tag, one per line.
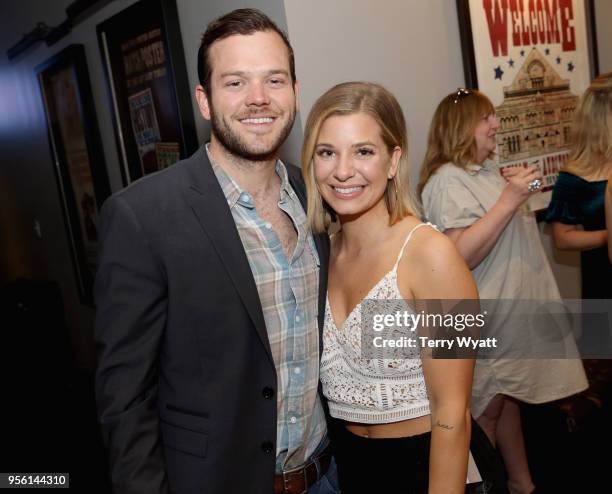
<point x="211" y="293"/>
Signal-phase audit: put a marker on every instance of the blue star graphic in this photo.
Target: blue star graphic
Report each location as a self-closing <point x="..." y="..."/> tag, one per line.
<point x="499" y="73"/>
<point x="522" y="53"/>
<point x="511" y="63"/>
<point x="558" y="60"/>
<point x="547" y="51"/>
<point x="570" y="67"/>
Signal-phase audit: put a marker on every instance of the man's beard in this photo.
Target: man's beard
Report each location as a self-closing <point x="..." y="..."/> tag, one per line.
<point x="232" y="141"/>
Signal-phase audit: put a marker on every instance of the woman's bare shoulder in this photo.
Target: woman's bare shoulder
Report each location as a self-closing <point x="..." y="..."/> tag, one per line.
<point x="432" y="267"/>
<point x="429" y="247"/>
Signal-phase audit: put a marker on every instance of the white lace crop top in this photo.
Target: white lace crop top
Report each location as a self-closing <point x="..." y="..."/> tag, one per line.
<point x="370" y="390"/>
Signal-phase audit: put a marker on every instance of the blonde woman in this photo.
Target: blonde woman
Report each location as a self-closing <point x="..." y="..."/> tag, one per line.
<point x="576" y="209"/>
<point x="404" y="424"/>
<point x="464" y="194"/>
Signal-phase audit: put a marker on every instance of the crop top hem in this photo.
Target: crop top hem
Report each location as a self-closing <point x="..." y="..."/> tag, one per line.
<point x="375" y="417"/>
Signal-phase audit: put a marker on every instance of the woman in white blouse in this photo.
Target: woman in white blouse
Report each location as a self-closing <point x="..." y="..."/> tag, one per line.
<point x="482" y="212"/>
<point x="405" y="423"/>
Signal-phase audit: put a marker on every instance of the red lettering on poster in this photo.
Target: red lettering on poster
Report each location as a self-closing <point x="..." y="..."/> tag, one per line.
<point x="541" y="25"/>
<point x="551" y="23"/>
<point x="532" y="22"/>
<point x="517" y="19"/>
<point x="497" y="20"/>
<point x="567" y="28"/>
<point x="525" y="27"/>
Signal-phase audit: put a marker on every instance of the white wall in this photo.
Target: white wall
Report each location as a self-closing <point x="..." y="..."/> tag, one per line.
<point x="410" y="46"/>
<point x="603" y="25"/>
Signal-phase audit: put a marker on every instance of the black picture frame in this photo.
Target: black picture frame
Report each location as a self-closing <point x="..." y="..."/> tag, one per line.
<point x="467" y="41"/>
<point x="76" y="150"/>
<point x="148" y="88"/>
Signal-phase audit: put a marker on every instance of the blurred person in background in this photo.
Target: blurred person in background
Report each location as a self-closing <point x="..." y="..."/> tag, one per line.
<point x="480" y="209"/>
<point x="576" y="209"/>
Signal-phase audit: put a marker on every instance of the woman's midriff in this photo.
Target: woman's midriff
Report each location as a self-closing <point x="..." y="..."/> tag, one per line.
<point x="404" y="428"/>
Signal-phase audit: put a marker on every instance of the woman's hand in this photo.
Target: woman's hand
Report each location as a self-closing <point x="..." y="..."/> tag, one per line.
<point x="517" y="190"/>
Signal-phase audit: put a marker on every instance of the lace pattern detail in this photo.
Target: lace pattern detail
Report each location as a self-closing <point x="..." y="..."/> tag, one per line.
<point x="371" y="390"/>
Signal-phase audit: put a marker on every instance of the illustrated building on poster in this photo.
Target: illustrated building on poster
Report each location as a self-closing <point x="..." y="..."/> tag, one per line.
<point x="536" y="113"/>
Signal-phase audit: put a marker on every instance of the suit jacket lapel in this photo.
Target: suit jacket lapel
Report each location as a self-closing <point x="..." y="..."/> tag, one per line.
<point x="210" y="207"/>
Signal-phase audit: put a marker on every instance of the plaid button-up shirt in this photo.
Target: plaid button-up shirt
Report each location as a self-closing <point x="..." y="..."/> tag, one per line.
<point x="288" y="292"/>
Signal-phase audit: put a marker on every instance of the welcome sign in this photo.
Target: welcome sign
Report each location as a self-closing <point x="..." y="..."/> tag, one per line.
<point x="532" y="59"/>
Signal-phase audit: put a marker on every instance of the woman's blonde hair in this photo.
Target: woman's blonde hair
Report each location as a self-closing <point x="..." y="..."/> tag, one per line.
<point x="451" y="133"/>
<point x="347" y="99"/>
<point x="591" y="141"/>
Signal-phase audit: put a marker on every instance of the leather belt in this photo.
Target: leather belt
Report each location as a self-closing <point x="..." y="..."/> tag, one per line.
<point x="298" y="480"/>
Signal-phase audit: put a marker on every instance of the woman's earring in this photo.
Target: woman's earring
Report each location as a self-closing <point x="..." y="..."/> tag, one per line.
<point x="395" y="185"/>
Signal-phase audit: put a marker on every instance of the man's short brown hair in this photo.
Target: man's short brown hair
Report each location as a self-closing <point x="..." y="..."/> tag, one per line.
<point x="239" y="21"/>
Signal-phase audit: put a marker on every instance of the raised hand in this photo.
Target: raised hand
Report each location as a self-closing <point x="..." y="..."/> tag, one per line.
<point x="518" y="189"/>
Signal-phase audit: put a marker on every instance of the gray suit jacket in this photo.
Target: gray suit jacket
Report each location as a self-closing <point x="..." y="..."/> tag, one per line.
<point x="186" y="384"/>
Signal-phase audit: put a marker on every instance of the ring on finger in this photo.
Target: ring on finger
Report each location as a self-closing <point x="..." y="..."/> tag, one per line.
<point x="534" y="185"/>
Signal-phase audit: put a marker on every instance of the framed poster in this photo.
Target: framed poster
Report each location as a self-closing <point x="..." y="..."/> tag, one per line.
<point x="533" y="59"/>
<point x="77" y="154"/>
<point x="144" y="64"/>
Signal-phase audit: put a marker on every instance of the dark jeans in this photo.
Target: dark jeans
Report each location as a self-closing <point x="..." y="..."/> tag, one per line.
<point x="401" y="465"/>
<point x="328" y="484"/>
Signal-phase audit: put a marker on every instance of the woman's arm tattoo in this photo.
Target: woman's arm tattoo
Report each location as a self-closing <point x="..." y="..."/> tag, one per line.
<point x="444" y="426"/>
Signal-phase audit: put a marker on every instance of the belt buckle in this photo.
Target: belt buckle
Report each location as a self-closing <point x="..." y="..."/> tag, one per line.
<point x="287" y="479"/>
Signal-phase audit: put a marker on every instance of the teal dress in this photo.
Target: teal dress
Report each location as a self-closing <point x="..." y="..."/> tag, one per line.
<point x="576" y="201"/>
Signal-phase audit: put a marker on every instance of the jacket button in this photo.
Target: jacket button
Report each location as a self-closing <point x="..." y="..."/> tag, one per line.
<point x="267" y="393"/>
<point x="267" y="447"/>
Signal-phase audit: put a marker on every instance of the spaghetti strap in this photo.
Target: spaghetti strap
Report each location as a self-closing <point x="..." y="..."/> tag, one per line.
<point x="401" y="252"/>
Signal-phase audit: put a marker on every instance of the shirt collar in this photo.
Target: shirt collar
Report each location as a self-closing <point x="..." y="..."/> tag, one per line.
<point x="475" y="168"/>
<point x="285" y="186"/>
<point x="232" y="191"/>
